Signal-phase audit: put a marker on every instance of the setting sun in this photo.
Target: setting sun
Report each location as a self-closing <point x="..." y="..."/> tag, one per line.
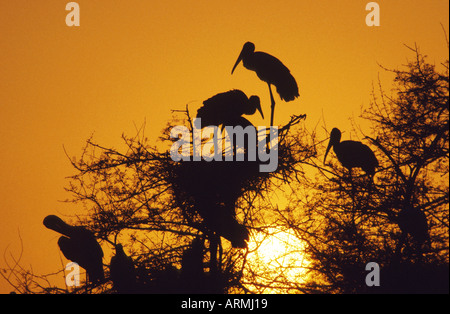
<point x="279" y="257"/>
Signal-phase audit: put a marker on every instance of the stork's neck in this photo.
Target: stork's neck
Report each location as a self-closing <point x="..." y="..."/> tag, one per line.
<point x="249" y="62"/>
<point x="249" y="109"/>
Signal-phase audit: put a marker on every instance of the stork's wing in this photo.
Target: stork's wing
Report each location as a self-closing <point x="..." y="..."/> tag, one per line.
<point x="273" y="71"/>
<point x="356" y="154"/>
<point x="219" y="108"/>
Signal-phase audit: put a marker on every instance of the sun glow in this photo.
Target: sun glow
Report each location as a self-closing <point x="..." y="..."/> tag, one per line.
<point x="276" y="262"/>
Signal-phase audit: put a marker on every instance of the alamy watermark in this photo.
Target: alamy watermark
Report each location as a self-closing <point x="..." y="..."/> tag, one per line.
<point x="73" y="277"/>
<point x="73" y="17"/>
<point x="231" y="147"/>
<point x="373" y="277"/>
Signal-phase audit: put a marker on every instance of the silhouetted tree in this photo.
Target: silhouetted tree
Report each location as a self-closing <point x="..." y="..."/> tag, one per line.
<point x="401" y="220"/>
<point x="159" y="208"/>
<point x="184" y="219"/>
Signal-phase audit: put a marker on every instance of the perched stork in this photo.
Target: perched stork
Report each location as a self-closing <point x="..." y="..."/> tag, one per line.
<point x="211" y="189"/>
<point x="192" y="275"/>
<point x="413" y="221"/>
<point x="123" y="273"/>
<point x="352" y="154"/>
<point x="270" y="70"/>
<point x="79" y="245"/>
<point x="225" y="108"/>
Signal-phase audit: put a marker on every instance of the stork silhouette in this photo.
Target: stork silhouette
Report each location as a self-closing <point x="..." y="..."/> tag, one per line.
<point x="79" y="245"/>
<point x="212" y="188"/>
<point x="413" y="221"/>
<point x="122" y="271"/>
<point x="270" y="70"/>
<point x="352" y="154"/>
<point x="192" y="274"/>
<point x="225" y="108"/>
<point x="218" y="185"/>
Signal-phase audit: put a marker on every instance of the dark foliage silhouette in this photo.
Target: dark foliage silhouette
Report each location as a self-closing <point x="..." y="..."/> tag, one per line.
<point x="400" y="220"/>
<point x="270" y="70"/>
<point x="177" y="218"/>
<point x="211" y="189"/>
<point x="187" y="225"/>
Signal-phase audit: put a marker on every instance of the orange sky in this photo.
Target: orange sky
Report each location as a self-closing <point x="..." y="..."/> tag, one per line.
<point x="133" y="61"/>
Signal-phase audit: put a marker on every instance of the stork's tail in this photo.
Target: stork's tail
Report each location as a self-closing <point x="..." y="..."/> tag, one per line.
<point x="288" y="89"/>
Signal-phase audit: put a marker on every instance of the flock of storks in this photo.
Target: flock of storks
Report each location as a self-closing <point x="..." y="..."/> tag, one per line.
<point x="79" y="245"/>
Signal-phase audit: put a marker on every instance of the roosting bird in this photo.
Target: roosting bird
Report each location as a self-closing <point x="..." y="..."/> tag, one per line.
<point x="79" y="245"/>
<point x="270" y="70"/>
<point x="192" y="261"/>
<point x="211" y="190"/>
<point x="215" y="191"/>
<point x="192" y="274"/>
<point x="224" y="182"/>
<point x="413" y="221"/>
<point x="352" y="154"/>
<point x="228" y="227"/>
<point x="123" y="273"/>
<point x="224" y="108"/>
<point x="247" y="146"/>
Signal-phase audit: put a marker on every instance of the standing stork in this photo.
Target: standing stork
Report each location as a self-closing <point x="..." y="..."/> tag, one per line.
<point x="352" y="154"/>
<point x="122" y="271"/>
<point x="270" y="70"/>
<point x="79" y="245"/>
<point x="225" y="108"/>
<point x="192" y="275"/>
<point x="413" y="221"/>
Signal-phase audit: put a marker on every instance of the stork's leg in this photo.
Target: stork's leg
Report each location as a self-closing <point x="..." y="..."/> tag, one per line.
<point x="353" y="188"/>
<point x="369" y="190"/>
<point x="272" y="107"/>
<point x="398" y="248"/>
<point x="213" y="245"/>
<point x="87" y="283"/>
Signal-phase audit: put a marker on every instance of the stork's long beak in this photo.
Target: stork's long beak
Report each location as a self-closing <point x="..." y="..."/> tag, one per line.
<point x="258" y="106"/>
<point x="57" y="224"/>
<point x="238" y="60"/>
<point x="330" y="143"/>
